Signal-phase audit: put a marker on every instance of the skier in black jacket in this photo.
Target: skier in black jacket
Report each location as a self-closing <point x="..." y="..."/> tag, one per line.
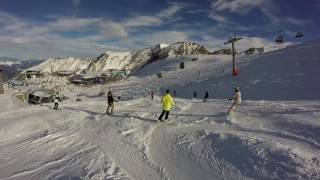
<point x="56" y="100"/>
<point x="206" y="96"/>
<point x="110" y="103"/>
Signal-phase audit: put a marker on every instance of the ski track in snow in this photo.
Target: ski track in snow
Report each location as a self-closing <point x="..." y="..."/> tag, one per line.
<point x="262" y="139"/>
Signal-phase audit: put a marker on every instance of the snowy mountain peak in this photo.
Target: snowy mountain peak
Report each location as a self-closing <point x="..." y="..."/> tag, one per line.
<point x="163" y="45"/>
<point x="62" y="64"/>
<point x="159" y="47"/>
<point x="8" y="63"/>
<point x="129" y="61"/>
<point x="182" y="49"/>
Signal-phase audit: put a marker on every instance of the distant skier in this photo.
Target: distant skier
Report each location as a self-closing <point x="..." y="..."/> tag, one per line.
<point x="206" y="96"/>
<point x="110" y="103"/>
<point x="195" y="94"/>
<point x="236" y="100"/>
<point x="56" y="100"/>
<point x="152" y="95"/>
<point x="167" y="105"/>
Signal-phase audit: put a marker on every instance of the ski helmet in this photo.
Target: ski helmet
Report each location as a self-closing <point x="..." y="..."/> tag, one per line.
<point x="237" y="88"/>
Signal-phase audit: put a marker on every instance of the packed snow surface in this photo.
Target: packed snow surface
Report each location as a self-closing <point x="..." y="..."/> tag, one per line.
<point x="273" y="134"/>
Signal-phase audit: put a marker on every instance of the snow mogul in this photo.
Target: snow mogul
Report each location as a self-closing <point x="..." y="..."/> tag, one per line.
<point x="167" y="105"/>
<point x="236" y="100"/>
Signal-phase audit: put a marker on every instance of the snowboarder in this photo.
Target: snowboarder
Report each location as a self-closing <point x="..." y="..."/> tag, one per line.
<point x="167" y="104"/>
<point x="56" y="100"/>
<point x="152" y="95"/>
<point x="195" y="94"/>
<point x="110" y="103"/>
<point x="236" y="100"/>
<point x="206" y="96"/>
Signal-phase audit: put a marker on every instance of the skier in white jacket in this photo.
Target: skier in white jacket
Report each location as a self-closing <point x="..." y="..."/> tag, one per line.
<point x="236" y="100"/>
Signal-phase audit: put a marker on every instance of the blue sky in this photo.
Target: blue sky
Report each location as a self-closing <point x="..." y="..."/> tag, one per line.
<point x="86" y="28"/>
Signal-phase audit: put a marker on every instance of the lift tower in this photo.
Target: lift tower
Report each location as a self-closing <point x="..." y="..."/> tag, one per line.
<point x="232" y="39"/>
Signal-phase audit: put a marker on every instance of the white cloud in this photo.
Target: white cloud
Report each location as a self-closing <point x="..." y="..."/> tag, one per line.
<point x="45" y="46"/>
<point x="165" y="37"/>
<point x="248" y="42"/>
<point x="112" y="29"/>
<point x="6" y="18"/>
<point x="239" y="6"/>
<point x="150" y="39"/>
<point x="218" y="18"/>
<point x="22" y="39"/>
<point x="169" y="12"/>
<point x="76" y="2"/>
<point x="269" y="8"/>
<point x="142" y="21"/>
<point x="157" y="20"/>
<point x="16" y="26"/>
<point x="211" y="42"/>
<point x="73" y="24"/>
<point x="197" y="11"/>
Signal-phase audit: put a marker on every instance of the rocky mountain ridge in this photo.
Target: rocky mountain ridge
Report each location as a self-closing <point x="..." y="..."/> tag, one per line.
<point x="129" y="61"/>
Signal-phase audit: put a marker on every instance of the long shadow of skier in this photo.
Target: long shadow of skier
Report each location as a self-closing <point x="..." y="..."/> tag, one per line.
<point x="45" y="105"/>
<point x="84" y="110"/>
<point x="201" y="115"/>
<point x="137" y="117"/>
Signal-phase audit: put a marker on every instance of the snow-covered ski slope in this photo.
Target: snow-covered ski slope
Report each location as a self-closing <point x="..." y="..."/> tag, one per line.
<point x="274" y="134"/>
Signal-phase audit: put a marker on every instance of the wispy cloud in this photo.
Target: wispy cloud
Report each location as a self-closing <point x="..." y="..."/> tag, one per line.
<point x="139" y="21"/>
<point x="23" y="39"/>
<point x="44" y="39"/>
<point x="169" y="12"/>
<point x="76" y="2"/>
<point x="249" y="42"/>
<point x="219" y="18"/>
<point x="238" y="6"/>
<point x="112" y="29"/>
<point x="75" y="32"/>
<point x="269" y="8"/>
<point x="73" y="24"/>
<point x="166" y="37"/>
<point x="157" y="20"/>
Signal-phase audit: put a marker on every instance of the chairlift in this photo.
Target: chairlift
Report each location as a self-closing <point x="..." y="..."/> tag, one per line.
<point x="279" y="39"/>
<point x="299" y="34"/>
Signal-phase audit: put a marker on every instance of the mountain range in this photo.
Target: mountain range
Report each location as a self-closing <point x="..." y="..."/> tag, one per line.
<point x="11" y="66"/>
<point x="130" y="61"/>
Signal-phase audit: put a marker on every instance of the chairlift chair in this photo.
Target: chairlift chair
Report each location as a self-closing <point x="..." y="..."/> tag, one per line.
<point x="299" y="34"/>
<point x="279" y="39"/>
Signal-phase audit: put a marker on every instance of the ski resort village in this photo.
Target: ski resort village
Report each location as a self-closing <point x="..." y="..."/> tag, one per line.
<point x="159" y="90"/>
